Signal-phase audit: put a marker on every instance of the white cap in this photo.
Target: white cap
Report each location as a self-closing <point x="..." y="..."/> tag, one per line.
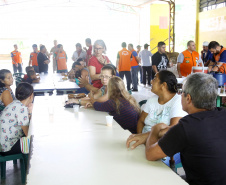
<point x="205" y="43"/>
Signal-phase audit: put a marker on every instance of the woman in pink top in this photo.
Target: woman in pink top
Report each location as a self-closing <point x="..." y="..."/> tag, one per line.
<point x="97" y="61"/>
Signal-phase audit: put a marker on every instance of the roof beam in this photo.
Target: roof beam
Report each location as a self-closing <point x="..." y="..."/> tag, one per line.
<point x="148" y="2"/>
<point x="119" y="3"/>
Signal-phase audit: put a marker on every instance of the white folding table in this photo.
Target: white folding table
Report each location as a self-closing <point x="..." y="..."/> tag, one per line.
<point x="78" y="148"/>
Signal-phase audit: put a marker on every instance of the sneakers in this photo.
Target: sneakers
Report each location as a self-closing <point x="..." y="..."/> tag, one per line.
<point x="134" y="90"/>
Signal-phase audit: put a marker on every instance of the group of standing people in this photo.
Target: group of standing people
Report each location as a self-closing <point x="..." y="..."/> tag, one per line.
<point x="39" y="59"/>
<point x="212" y="56"/>
<point x="130" y="62"/>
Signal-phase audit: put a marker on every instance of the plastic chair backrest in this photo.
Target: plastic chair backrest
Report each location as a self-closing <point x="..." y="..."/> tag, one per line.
<point x="2" y="107"/>
<point x="142" y="102"/>
<point x="18" y="75"/>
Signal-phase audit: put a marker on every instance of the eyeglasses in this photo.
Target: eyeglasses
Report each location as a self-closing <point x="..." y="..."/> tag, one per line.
<point x="98" y="49"/>
<point x="106" y="77"/>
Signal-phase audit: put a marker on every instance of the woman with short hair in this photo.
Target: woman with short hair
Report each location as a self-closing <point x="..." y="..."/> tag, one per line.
<point x="14" y="120"/>
<point x="97" y="61"/>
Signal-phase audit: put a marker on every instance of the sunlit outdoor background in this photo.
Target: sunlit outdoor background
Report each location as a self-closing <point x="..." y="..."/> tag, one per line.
<point x="27" y="22"/>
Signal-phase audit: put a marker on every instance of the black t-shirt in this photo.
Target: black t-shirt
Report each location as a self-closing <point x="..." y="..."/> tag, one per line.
<point x="201" y="140"/>
<point x="160" y="61"/>
<point x="42" y="66"/>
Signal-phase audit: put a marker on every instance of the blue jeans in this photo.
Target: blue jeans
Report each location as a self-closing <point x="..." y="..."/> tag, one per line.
<point x="134" y="74"/>
<point x="128" y="77"/>
<point x="18" y="68"/>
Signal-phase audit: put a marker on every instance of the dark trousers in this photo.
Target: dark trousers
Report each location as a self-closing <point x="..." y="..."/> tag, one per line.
<point x="148" y="70"/>
<point x="141" y="74"/>
<point x="128" y="77"/>
<point x="36" y="68"/>
<point x="134" y="74"/>
<point x="18" y="68"/>
<point x="14" y="150"/>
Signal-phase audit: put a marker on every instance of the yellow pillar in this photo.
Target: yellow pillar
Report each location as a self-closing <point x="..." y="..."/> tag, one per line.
<point x="197" y="26"/>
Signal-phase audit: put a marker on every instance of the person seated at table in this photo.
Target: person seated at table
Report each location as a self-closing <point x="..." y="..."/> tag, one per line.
<point x="80" y="72"/>
<point x="61" y="59"/>
<point x="14" y="120"/>
<point x="165" y="106"/>
<point x="78" y="66"/>
<point x="97" y="61"/>
<point x="6" y="93"/>
<point x="28" y="68"/>
<point x="32" y="78"/>
<point x="86" y="83"/>
<point x="121" y="105"/>
<point x="100" y="95"/>
<point x="199" y="137"/>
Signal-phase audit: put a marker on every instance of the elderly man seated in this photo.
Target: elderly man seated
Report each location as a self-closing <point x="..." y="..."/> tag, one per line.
<point x="200" y="137"/>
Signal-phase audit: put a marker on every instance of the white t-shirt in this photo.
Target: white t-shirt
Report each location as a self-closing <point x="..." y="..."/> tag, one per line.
<point x="82" y="55"/>
<point x="158" y="113"/>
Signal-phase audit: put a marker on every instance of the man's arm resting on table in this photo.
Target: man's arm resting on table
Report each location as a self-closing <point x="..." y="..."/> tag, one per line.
<point x="173" y="122"/>
<point x="153" y="151"/>
<point x="139" y="139"/>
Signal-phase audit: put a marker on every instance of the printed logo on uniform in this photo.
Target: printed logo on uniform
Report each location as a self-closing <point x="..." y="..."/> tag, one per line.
<point x="125" y="53"/>
<point x="187" y="61"/>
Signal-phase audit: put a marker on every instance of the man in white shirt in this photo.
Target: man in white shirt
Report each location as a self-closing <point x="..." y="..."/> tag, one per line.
<point x="79" y="53"/>
<point x="145" y="55"/>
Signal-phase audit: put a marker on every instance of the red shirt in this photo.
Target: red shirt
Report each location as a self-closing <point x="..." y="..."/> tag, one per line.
<point x="88" y="53"/>
<point x="25" y="77"/>
<point x="95" y="63"/>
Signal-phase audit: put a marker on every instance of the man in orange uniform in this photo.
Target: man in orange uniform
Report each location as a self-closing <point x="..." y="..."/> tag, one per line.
<point x="123" y="64"/>
<point x="219" y="56"/>
<point x="61" y="59"/>
<point x="134" y="67"/>
<point x="187" y="59"/>
<point x="16" y="60"/>
<point x="33" y="58"/>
